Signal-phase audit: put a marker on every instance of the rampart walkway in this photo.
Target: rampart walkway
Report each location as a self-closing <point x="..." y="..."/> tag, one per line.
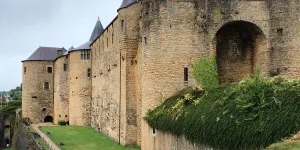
<point x="46" y="139"/>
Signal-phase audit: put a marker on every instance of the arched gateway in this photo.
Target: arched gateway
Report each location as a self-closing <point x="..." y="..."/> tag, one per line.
<point x="239" y="46"/>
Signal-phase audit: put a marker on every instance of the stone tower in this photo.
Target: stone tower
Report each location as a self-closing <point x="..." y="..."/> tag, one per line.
<point x="38" y="84"/>
<point x="80" y="80"/>
<point x="115" y="82"/>
<point x="61" y="88"/>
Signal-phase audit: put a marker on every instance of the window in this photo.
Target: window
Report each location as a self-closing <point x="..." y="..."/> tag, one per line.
<point x="85" y="54"/>
<point x="279" y="31"/>
<point x="24" y="70"/>
<point x="112" y="38"/>
<point x="122" y="25"/>
<point x="186" y="74"/>
<point x="65" y="67"/>
<point x="145" y="40"/>
<point x="44" y="109"/>
<point x="89" y="72"/>
<point x="66" y="116"/>
<point x="107" y="42"/>
<point x="59" y="53"/>
<point x="46" y="85"/>
<point x="49" y="69"/>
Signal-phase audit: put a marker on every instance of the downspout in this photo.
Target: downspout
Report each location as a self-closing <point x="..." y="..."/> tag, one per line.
<point x="120" y="98"/>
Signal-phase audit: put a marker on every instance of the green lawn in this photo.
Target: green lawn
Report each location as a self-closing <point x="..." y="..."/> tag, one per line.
<point x="293" y="145"/>
<point x="7" y="149"/>
<point x="81" y="138"/>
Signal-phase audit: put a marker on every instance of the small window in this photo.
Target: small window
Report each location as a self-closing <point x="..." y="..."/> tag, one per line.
<point x="112" y="38"/>
<point x="49" y="69"/>
<point x="66" y="116"/>
<point x="24" y="70"/>
<point x="46" y="85"/>
<point x="89" y="72"/>
<point x="85" y="55"/>
<point x="122" y="25"/>
<point x="7" y="126"/>
<point x="65" y="67"/>
<point x="145" y="40"/>
<point x="107" y="42"/>
<point x="153" y="130"/>
<point x="59" y="116"/>
<point x="59" y="53"/>
<point x="44" y="109"/>
<point x="279" y="32"/>
<point x="186" y="74"/>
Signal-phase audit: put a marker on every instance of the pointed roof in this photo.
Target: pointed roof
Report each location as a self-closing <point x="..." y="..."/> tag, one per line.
<point x="98" y="29"/>
<point x="45" y="54"/>
<point x="67" y="52"/>
<point x="127" y="3"/>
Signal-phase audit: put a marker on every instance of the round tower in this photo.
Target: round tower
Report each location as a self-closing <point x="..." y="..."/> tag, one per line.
<point x="37" y="82"/>
<point x="61" y="88"/>
<point x="129" y="15"/>
<point x="80" y="80"/>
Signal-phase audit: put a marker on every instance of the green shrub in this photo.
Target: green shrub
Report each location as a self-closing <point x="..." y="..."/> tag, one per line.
<point x="252" y="114"/>
<point x="61" y="123"/>
<point x="15" y="103"/>
<point x="205" y="72"/>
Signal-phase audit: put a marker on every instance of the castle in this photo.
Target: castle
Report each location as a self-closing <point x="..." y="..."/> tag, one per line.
<point x="146" y="54"/>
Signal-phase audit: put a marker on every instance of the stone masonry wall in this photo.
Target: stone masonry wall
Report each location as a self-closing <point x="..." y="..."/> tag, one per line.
<point x="80" y="88"/>
<point x="106" y="82"/>
<point x="61" y="90"/>
<point x="130" y="77"/>
<point x="37" y="101"/>
<point x="178" y="32"/>
<point x="285" y="36"/>
<point x="114" y="103"/>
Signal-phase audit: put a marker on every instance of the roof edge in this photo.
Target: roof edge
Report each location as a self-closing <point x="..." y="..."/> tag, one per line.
<point x="105" y="29"/>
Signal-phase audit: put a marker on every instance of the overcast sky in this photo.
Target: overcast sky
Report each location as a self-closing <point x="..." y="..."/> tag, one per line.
<point x="27" y="24"/>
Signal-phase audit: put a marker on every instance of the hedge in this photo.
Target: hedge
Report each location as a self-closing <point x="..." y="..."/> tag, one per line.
<point x="251" y="114"/>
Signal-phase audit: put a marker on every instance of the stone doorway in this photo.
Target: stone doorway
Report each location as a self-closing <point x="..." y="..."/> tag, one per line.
<point x="238" y="44"/>
<point x="48" y="119"/>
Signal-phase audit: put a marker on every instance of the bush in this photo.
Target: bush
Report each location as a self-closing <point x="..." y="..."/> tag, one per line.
<point x="61" y="123"/>
<point x="15" y="103"/>
<point x="252" y="114"/>
<point x="205" y="72"/>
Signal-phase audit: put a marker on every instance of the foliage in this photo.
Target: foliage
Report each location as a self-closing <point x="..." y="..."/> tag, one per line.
<point x="61" y="123"/>
<point x="81" y="138"/>
<point x="252" y="114"/>
<point x="205" y="72"/>
<point x="287" y="145"/>
<point x="8" y="110"/>
<point x="14" y="103"/>
<point x="16" y="94"/>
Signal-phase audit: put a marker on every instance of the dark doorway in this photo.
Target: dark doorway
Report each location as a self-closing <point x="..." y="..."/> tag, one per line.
<point x="239" y="50"/>
<point x="48" y="119"/>
<point x="7" y="142"/>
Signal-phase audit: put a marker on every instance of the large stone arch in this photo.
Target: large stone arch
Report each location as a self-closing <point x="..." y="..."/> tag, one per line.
<point x="241" y="47"/>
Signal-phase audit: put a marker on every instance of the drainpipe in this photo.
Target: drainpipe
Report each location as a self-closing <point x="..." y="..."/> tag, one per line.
<point x="120" y="98"/>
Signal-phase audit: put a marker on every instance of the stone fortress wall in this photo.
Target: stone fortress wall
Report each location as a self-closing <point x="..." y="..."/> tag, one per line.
<point x="141" y="58"/>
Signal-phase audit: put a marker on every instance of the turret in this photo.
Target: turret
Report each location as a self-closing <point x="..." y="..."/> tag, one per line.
<point x="80" y="75"/>
<point x="38" y="74"/>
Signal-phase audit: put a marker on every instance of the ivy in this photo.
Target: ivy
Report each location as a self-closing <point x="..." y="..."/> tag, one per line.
<point x="251" y="114"/>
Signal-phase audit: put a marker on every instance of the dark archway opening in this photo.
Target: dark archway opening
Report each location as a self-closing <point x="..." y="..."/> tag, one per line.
<point x="7" y="142"/>
<point x="48" y="119"/>
<point x="238" y="44"/>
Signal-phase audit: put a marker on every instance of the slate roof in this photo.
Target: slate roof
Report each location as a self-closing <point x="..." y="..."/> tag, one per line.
<point x="127" y="3"/>
<point x="67" y="52"/>
<point x="98" y="29"/>
<point x="45" y="54"/>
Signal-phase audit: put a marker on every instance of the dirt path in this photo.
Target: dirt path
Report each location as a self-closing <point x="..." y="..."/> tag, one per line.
<point x="46" y="139"/>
